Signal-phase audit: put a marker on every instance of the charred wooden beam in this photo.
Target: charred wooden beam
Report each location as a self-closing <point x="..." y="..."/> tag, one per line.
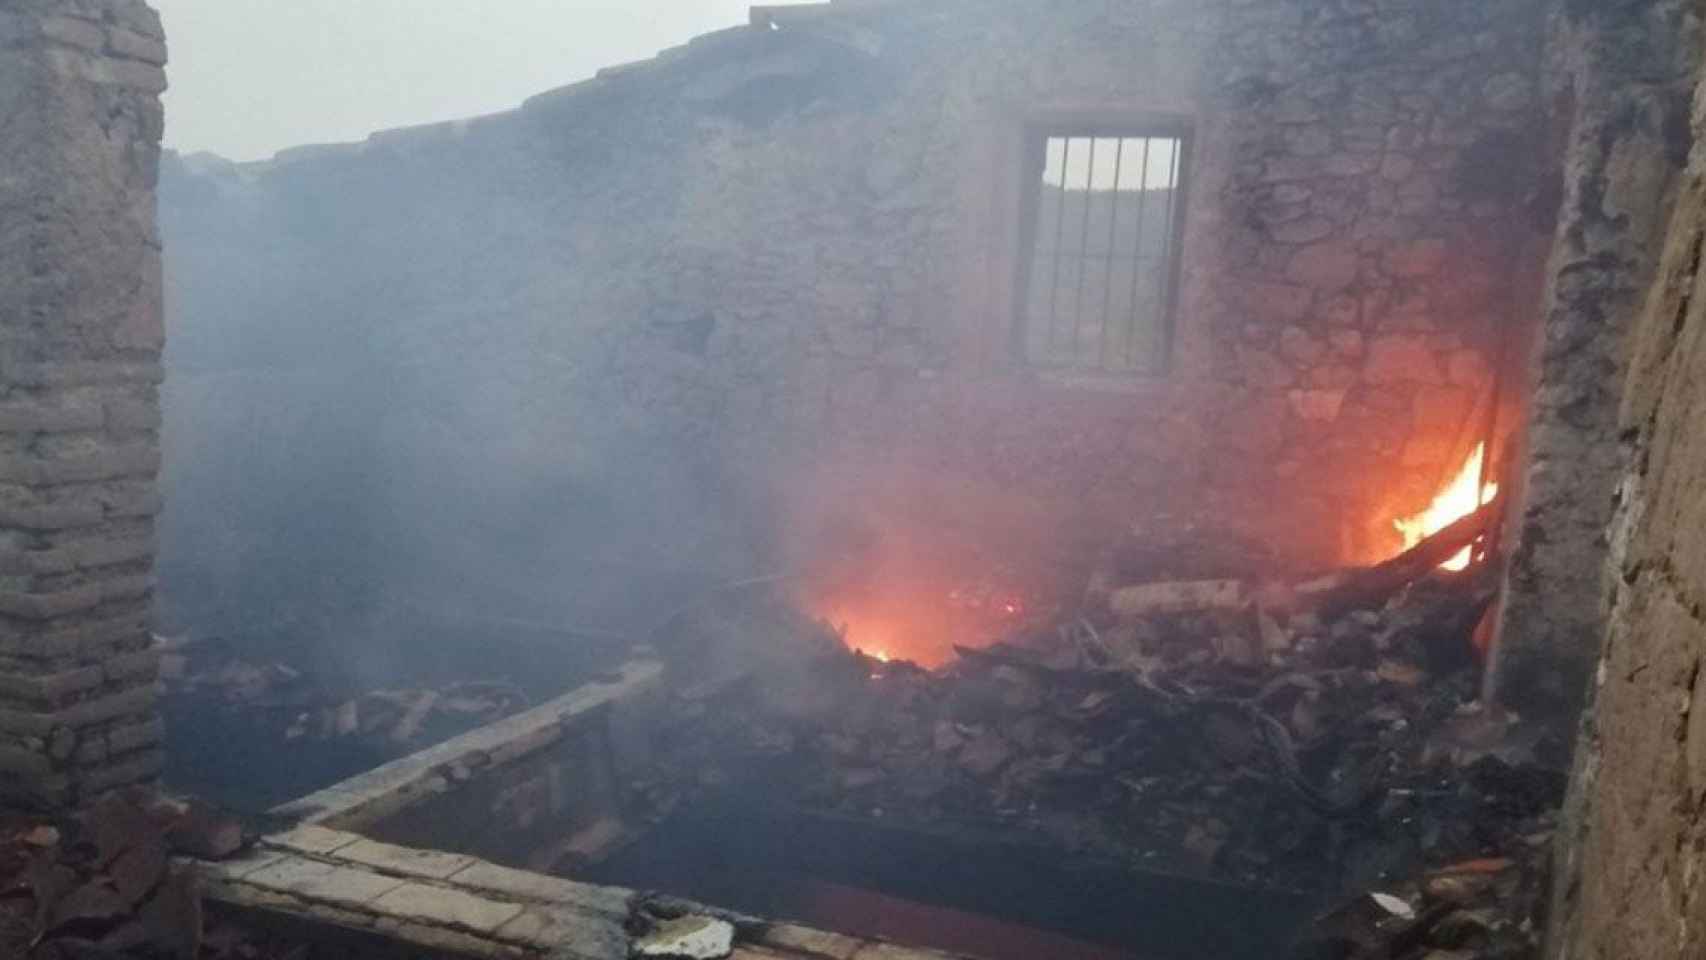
<point x="1372" y="586"/>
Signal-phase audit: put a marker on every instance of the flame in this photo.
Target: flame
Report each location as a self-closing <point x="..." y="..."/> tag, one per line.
<point x="1456" y="501"/>
<point x="917" y="623"/>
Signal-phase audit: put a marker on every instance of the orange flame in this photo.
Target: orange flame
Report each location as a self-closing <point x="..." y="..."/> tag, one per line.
<point x="1456" y="501"/>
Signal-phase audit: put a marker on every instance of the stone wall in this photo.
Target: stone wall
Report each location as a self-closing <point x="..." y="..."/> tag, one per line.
<point x="80" y="339"/>
<point x="1623" y="72"/>
<point x="1630" y="878"/>
<point x="763" y="287"/>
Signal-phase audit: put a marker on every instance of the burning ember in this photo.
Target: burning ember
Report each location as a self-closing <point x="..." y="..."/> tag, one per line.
<point x="917" y="624"/>
<point x="1456" y="501"/>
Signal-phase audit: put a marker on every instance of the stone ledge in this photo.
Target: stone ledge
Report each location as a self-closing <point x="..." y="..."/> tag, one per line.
<point x="311" y="839"/>
<point x="454" y="908"/>
<point x="405" y="861"/>
<point x="814" y="943"/>
<point x="480" y="910"/>
<point x="539" y="888"/>
<point x="398" y="785"/>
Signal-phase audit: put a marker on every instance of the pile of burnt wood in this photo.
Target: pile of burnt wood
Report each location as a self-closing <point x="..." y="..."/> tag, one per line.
<point x="1324" y="735"/>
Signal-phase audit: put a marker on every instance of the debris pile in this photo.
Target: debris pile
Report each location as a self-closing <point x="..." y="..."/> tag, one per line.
<point x="1325" y="737"/>
<point x="1481" y="909"/>
<point x="103" y="884"/>
<point x="293" y="706"/>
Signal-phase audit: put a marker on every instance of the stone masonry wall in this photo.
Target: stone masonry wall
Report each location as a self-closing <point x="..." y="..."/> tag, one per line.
<point x="770" y="276"/>
<point x="1630" y="880"/>
<point x="80" y="339"/>
<point x="1625" y="69"/>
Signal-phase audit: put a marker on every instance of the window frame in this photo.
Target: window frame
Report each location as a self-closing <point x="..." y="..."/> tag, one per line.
<point x="1035" y="134"/>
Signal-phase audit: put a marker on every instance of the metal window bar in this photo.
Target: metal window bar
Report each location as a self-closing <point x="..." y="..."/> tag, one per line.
<point x="1083" y="252"/>
<point x="1060" y="239"/>
<point x="1113" y="249"/>
<point x="1104" y="193"/>
<point x="1169" y="264"/>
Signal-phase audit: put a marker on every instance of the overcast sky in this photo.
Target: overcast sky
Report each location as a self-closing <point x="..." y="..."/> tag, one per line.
<point x="251" y="76"/>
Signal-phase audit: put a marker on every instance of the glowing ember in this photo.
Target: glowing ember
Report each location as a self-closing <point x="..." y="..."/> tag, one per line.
<point x="1456" y="501"/>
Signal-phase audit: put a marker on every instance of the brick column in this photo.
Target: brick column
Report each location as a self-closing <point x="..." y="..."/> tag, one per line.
<point x="80" y="340"/>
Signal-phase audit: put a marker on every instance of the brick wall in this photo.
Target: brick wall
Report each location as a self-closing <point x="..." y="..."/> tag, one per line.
<point x="80" y="340"/>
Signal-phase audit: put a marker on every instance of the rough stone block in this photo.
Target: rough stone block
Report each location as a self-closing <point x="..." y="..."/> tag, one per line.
<point x="111" y="463"/>
<point x="142" y="665"/>
<point x="323" y="882"/>
<point x="1402" y="359"/>
<point x="539" y="888"/>
<point x="568" y="933"/>
<point x="816" y="943"/>
<point x="136" y="46"/>
<point x="95" y="638"/>
<point x="439" y="905"/>
<point x="313" y="840"/>
<point x="78" y="374"/>
<point x="1326" y="266"/>
<point x="886" y="951"/>
<point x="1321" y="406"/>
<point x="142" y="77"/>
<point x="84" y="714"/>
<point x="404" y="860"/>
<point x="136" y="736"/>
<point x="132" y="415"/>
<point x="49" y="689"/>
<point x="52" y="516"/>
<point x="22" y="762"/>
<point x="29" y="416"/>
<point x="1423" y="258"/>
<point x="76" y="33"/>
<point x="138" y="768"/>
<point x="46" y="606"/>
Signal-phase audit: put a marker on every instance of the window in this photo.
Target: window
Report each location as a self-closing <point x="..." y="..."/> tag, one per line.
<point x="1102" y="228"/>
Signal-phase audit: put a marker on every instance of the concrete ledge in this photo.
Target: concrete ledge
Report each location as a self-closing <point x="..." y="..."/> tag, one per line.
<point x="385" y="791"/>
<point x="467" y="906"/>
<point x="460" y="902"/>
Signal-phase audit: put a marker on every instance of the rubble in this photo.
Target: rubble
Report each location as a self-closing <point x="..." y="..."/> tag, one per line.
<point x="299" y="707"/>
<point x="688" y="938"/>
<point x="1266" y="744"/>
<point x="102" y="883"/>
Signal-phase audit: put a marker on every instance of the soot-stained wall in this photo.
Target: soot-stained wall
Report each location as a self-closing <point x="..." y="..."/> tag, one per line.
<point x="700" y="310"/>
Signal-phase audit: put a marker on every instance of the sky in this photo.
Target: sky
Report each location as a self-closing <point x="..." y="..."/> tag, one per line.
<point x="250" y="77"/>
